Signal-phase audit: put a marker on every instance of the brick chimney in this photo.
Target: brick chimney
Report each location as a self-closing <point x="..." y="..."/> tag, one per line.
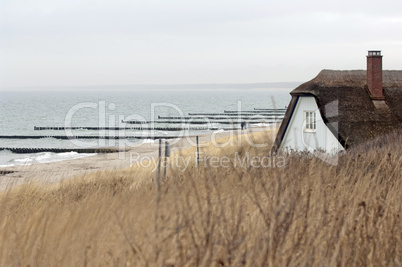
<point x="374" y="74"/>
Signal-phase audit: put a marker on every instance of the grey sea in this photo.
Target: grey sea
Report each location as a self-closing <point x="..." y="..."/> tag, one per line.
<point x="26" y="113"/>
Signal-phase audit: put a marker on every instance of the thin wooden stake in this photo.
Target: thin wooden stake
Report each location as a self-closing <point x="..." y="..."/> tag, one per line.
<point x="198" y="151"/>
<point x="167" y="154"/>
<point x="158" y="178"/>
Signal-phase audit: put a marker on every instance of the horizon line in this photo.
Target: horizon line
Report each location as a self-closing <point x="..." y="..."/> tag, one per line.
<point x="257" y="85"/>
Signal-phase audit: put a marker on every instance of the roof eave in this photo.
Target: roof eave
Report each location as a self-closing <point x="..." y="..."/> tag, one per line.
<point x="285" y="123"/>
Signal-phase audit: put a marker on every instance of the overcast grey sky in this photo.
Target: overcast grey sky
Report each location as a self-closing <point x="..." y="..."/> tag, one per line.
<point x="103" y="42"/>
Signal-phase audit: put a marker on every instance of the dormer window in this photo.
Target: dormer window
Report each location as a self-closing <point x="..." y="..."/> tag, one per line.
<point x="310" y="124"/>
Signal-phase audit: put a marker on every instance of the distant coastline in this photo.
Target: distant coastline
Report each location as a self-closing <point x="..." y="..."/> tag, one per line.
<point x="203" y="86"/>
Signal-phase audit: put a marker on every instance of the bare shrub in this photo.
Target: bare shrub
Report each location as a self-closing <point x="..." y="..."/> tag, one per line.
<point x="306" y="213"/>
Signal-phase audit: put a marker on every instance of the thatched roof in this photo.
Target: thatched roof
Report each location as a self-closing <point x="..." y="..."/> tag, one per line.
<point x="346" y="107"/>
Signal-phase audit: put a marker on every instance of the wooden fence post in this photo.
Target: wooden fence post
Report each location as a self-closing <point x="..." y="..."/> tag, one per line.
<point x="167" y="154"/>
<point x="198" y="151"/>
<point x="158" y="175"/>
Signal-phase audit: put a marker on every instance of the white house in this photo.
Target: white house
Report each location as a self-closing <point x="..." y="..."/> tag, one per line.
<point x="339" y="109"/>
<point x="306" y="130"/>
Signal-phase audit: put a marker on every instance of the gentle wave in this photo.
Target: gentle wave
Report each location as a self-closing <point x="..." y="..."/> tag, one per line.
<point x="149" y="141"/>
<point x="43" y="157"/>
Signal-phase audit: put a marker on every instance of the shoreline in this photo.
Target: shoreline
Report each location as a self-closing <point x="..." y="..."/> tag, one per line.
<point x="60" y="170"/>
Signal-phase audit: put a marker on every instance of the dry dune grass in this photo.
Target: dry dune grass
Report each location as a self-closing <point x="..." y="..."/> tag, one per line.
<point x="307" y="213"/>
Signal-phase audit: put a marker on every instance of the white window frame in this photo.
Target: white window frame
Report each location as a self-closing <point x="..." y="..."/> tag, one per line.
<point x="310" y="121"/>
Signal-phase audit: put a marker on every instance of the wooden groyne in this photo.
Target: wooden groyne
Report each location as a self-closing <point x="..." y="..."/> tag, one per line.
<point x="141" y="128"/>
<point x="284" y="109"/>
<point x="4" y="172"/>
<point x="19" y="150"/>
<point x="67" y="137"/>
<point x="254" y="111"/>
<point x="230" y="117"/>
<point x="165" y="122"/>
<point x="236" y="114"/>
<point x="230" y="122"/>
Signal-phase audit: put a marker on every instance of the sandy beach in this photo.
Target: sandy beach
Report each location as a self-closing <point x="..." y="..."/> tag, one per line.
<point x="60" y="170"/>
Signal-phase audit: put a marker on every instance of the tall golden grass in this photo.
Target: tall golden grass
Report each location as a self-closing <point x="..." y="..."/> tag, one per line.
<point x="307" y="213"/>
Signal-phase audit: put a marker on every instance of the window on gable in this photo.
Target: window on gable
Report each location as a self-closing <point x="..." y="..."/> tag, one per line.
<point x="309" y="121"/>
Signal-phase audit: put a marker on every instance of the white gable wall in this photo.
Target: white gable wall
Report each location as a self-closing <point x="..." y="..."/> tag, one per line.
<point x="296" y="138"/>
